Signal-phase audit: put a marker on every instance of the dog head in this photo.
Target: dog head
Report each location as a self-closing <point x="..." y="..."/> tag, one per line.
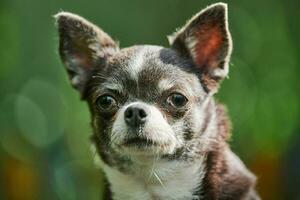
<point x="147" y="100"/>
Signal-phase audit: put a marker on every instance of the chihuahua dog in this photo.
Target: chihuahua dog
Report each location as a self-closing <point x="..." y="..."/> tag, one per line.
<point x="157" y="130"/>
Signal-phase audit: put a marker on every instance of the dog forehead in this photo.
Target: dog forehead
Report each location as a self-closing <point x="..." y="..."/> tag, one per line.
<point x="150" y="68"/>
<point x="143" y="58"/>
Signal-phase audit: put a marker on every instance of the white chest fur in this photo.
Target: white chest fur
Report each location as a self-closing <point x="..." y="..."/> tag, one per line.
<point x="163" y="180"/>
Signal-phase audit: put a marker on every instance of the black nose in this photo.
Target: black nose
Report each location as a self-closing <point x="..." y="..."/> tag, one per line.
<point x="135" y="116"/>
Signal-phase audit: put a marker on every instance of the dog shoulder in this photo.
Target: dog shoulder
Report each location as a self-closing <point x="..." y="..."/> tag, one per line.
<point x="238" y="181"/>
<point x="227" y="177"/>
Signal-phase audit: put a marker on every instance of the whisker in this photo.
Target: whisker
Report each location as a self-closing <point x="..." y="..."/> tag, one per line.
<point x="159" y="180"/>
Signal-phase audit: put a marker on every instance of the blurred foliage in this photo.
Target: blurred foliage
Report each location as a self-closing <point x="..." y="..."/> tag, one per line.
<point x="44" y="128"/>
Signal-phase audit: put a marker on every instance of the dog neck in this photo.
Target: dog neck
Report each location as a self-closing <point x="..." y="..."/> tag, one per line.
<point x="161" y="179"/>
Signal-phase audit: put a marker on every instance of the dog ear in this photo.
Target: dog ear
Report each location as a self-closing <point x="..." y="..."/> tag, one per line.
<point x="206" y="40"/>
<point x="82" y="47"/>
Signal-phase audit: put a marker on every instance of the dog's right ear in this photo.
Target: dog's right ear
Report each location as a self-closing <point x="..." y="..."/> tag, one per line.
<point x="206" y="40"/>
<point x="82" y="47"/>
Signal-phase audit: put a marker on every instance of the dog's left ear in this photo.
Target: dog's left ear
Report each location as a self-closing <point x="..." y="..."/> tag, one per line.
<point x="206" y="40"/>
<point x="83" y="47"/>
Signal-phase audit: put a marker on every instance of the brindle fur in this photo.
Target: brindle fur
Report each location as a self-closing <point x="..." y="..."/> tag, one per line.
<point x="94" y="62"/>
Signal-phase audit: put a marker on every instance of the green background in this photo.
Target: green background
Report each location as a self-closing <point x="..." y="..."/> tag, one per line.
<point x="44" y="127"/>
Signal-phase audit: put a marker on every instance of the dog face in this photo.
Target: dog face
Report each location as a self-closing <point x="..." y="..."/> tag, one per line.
<point x="148" y="101"/>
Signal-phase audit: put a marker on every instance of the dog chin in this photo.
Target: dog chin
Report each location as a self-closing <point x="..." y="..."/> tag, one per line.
<point x="141" y="145"/>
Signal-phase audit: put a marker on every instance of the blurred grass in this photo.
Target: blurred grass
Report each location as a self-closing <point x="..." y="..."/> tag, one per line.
<point x="44" y="128"/>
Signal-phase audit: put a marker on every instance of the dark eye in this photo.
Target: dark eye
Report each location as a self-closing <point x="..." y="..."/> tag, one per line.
<point x="177" y="100"/>
<point x="106" y="102"/>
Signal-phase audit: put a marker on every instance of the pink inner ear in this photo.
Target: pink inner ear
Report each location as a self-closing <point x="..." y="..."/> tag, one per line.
<point x="209" y="41"/>
<point x="80" y="61"/>
<point x="82" y="55"/>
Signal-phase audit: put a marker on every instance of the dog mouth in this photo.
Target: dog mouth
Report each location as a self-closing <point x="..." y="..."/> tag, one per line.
<point x="139" y="142"/>
<point x="144" y="142"/>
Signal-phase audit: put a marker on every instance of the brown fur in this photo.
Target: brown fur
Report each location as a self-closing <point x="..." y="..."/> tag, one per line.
<point x="200" y="51"/>
<point x="222" y="180"/>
